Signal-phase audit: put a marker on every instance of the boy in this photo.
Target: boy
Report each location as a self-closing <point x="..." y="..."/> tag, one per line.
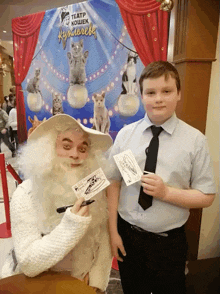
<point x="150" y="243"/>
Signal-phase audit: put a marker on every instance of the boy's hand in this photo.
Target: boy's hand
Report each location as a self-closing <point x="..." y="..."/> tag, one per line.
<point x="117" y="244"/>
<point x="154" y="186"/>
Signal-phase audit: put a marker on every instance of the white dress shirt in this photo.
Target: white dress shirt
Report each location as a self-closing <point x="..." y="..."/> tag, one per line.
<point x="183" y="162"/>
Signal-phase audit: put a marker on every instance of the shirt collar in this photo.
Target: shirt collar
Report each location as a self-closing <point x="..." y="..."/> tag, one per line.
<point x="169" y="125"/>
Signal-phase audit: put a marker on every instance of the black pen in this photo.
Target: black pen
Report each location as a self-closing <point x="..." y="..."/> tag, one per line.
<point x="64" y="208"/>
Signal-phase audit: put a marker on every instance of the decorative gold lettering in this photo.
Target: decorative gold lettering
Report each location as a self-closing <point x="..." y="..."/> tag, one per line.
<point x="92" y="30"/>
<point x="87" y="31"/>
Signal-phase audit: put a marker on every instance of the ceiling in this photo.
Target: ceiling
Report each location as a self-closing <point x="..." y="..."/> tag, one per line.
<point x="13" y="8"/>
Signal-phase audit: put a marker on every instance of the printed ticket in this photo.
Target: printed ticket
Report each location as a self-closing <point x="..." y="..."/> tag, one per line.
<point x="128" y="167"/>
<point x="91" y="184"/>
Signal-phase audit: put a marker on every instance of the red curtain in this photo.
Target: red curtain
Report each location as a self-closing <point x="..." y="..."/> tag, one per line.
<point x="147" y="26"/>
<point x="25" y="35"/>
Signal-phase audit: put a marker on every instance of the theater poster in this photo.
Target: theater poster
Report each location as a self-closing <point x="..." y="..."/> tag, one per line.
<point x="83" y="64"/>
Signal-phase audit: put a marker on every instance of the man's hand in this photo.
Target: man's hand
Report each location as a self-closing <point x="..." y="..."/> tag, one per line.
<point x="86" y="279"/>
<point x="98" y="291"/>
<point x="4" y="131"/>
<point x="154" y="186"/>
<point x="82" y="211"/>
<point x="117" y="243"/>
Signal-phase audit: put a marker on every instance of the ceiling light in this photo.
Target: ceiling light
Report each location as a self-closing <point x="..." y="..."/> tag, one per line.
<point x="4" y="32"/>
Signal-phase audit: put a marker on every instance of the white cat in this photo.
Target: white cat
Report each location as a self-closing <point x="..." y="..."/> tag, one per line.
<point x="101" y="120"/>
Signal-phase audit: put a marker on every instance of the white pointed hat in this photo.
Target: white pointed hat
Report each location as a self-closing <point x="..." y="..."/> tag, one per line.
<point x="62" y="122"/>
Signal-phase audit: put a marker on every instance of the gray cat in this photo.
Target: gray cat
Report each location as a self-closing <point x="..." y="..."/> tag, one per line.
<point x="33" y="84"/>
<point x="57" y="104"/>
<point x="77" y="62"/>
<point x="101" y="120"/>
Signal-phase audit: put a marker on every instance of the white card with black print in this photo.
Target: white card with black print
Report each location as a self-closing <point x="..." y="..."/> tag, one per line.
<point x="128" y="167"/>
<point x="91" y="184"/>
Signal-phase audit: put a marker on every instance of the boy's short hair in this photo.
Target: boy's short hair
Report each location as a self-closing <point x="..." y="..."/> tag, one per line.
<point x="157" y="69"/>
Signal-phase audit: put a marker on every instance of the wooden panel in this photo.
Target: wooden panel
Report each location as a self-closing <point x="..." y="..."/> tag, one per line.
<point x="193" y="226"/>
<point x="196" y="29"/>
<point x="1" y="77"/>
<point x="195" y="80"/>
<point x="12" y="71"/>
<point x="202" y="30"/>
<point x="181" y="28"/>
<point x="203" y="277"/>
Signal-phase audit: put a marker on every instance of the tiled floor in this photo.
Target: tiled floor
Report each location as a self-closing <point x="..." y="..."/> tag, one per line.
<point x="114" y="286"/>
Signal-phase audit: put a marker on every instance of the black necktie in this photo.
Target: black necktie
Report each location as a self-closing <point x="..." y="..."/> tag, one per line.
<point x="151" y="151"/>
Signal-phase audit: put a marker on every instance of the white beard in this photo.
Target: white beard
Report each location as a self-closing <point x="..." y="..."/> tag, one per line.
<point x="54" y="190"/>
<point x="52" y="178"/>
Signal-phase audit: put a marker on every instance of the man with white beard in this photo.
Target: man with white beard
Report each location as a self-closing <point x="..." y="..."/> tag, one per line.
<point x="58" y="154"/>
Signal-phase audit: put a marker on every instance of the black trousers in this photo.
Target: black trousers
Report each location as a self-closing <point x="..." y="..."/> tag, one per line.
<point x="154" y="263"/>
<point x="15" y="139"/>
<point x="5" y="139"/>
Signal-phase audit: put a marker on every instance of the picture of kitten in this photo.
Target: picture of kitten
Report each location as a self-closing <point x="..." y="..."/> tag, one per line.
<point x="57" y="104"/>
<point x="77" y="62"/>
<point x="101" y="120"/>
<point x="129" y="85"/>
<point x="33" y="84"/>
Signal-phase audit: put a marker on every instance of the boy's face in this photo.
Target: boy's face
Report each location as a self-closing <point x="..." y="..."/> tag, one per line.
<point x="160" y="98"/>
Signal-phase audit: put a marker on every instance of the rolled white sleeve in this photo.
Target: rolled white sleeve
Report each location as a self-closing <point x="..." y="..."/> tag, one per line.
<point x="35" y="253"/>
<point x="202" y="177"/>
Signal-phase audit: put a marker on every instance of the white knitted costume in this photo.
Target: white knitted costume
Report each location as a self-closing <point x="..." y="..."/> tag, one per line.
<point x="73" y="243"/>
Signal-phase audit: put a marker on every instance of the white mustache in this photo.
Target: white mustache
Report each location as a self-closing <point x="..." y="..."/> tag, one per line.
<point x="77" y="161"/>
<point x="65" y="163"/>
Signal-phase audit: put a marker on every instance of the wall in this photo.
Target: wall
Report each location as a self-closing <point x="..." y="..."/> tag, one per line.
<point x="7" y="82"/>
<point x="209" y="235"/>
